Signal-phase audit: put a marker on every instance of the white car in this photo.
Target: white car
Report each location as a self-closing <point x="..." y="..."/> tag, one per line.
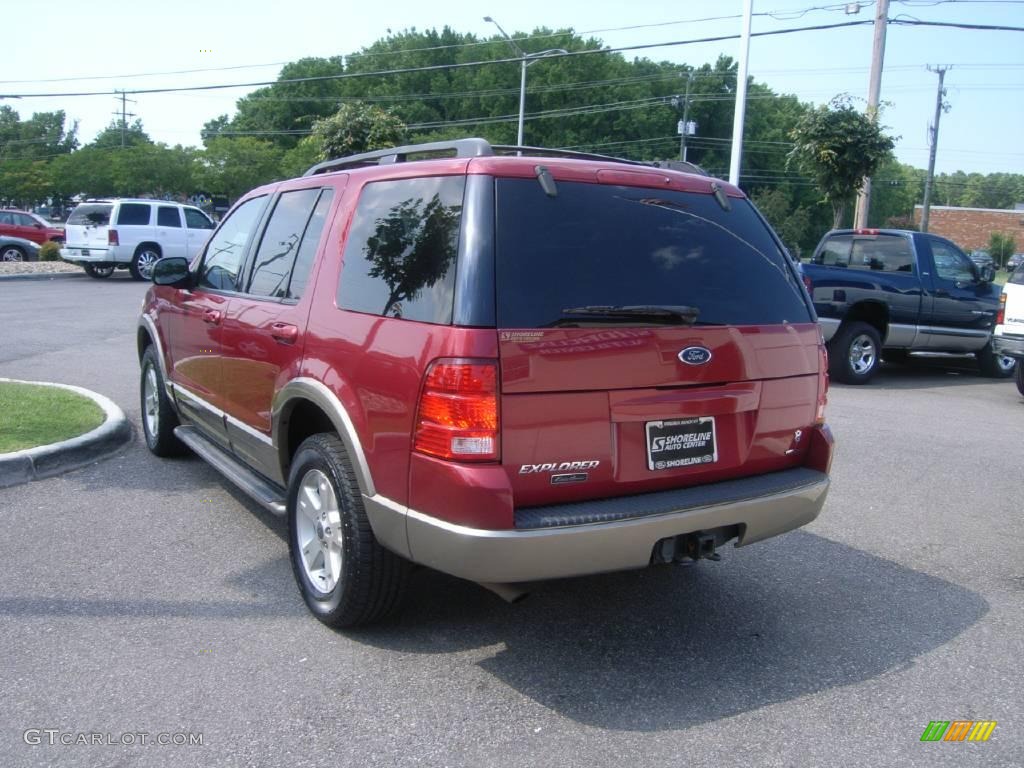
<point x="1008" y="336"/>
<point x="104" y="235"/>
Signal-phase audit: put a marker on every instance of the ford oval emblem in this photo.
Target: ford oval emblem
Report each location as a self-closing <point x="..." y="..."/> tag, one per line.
<point x="695" y="355"/>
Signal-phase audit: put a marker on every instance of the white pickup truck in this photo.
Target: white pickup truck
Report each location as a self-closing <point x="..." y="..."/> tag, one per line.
<point x="1008" y="336"/>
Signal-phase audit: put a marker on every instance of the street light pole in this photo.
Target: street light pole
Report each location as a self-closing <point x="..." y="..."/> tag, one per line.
<point x="527" y="60"/>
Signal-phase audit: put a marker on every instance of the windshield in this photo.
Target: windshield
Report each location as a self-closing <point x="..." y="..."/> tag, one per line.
<point x="596" y="245"/>
<point x="91" y="215"/>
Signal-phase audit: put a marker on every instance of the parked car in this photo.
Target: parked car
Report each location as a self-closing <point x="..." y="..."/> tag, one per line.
<point x="983" y="259"/>
<point x="28" y="226"/>
<point x="891" y="293"/>
<point x="1008" y="337"/>
<point x="104" y="235"/>
<point x="1014" y="261"/>
<point x="18" y="249"/>
<point x="508" y="368"/>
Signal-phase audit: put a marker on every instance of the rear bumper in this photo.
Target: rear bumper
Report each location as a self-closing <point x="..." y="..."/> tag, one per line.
<point x="511" y="556"/>
<point x="90" y="255"/>
<point x="1009" y="345"/>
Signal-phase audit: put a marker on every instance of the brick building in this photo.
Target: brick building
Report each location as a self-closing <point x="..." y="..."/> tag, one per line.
<point x="970" y="227"/>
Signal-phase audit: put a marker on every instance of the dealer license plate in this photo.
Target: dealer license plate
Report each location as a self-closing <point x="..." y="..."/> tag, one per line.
<point x="681" y="443"/>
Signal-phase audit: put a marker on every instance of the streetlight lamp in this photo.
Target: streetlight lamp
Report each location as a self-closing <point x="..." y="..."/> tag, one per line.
<point x="527" y="59"/>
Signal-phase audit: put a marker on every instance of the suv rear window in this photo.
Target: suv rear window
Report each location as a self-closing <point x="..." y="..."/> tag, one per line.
<point x="595" y="244"/>
<point x="91" y="215"/>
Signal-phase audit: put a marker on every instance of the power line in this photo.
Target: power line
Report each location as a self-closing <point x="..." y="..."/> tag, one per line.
<point x="439" y="67"/>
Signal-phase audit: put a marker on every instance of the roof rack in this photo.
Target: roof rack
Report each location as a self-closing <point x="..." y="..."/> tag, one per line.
<point x="458" y="148"/>
<point x="479" y="148"/>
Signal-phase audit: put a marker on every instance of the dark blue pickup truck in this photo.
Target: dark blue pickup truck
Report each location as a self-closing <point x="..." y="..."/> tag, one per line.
<point x="890" y="292"/>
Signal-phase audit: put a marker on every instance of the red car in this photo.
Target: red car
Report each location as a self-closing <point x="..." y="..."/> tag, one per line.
<point x="508" y="367"/>
<point x="28" y="226"/>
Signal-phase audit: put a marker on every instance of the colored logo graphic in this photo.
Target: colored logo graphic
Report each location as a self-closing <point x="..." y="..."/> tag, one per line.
<point x="958" y="730"/>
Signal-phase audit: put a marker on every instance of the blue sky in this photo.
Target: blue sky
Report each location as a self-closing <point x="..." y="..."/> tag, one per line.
<point x="981" y="132"/>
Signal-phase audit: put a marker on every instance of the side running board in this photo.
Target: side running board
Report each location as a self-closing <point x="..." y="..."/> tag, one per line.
<point x="267" y="494"/>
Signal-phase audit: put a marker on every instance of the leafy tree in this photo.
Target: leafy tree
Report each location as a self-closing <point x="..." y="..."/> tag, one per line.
<point x="234" y="166"/>
<point x="791" y="225"/>
<point x="838" y="146"/>
<point x="110" y="137"/>
<point x="355" y="128"/>
<point x="39" y="137"/>
<point x="298" y="159"/>
<point x="284" y="112"/>
<point x="1001" y="246"/>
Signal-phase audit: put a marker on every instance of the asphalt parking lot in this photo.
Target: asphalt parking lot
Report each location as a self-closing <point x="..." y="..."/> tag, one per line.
<point x="148" y="596"/>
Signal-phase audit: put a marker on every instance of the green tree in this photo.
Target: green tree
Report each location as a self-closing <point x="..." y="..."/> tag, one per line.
<point x="838" y="146"/>
<point x="234" y="166"/>
<point x="355" y="128"/>
<point x="793" y="225"/>
<point x="1001" y="246"/>
<point x="39" y="137"/>
<point x="111" y="136"/>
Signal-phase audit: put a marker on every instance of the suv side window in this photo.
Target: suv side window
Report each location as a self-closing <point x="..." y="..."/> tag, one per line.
<point x="133" y="214"/>
<point x="167" y="216"/>
<point x="886" y="253"/>
<point x="401" y="251"/>
<point x="23" y="220"/>
<point x="280" y="243"/>
<point x="835" y="252"/>
<point x="7" y="218"/>
<point x="308" y="248"/>
<point x="196" y="220"/>
<point x="223" y="258"/>
<point x="950" y="264"/>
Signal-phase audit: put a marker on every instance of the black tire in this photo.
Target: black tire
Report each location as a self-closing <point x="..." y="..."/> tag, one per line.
<point x="11" y="253"/>
<point x="98" y="271"/>
<point x="854" y="353"/>
<point x="996" y="366"/>
<point x="372" y="580"/>
<point x="146" y="255"/>
<point x="1020" y="378"/>
<point x="157" y="413"/>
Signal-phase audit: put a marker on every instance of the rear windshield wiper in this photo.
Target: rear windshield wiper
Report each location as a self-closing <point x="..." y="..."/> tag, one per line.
<point x="675" y="314"/>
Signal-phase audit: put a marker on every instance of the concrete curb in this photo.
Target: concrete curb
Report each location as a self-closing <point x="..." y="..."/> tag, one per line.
<point x="45" y="276"/>
<point x="49" y="460"/>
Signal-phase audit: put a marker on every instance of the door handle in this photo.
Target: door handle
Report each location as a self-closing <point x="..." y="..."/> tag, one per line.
<point x="942" y="292"/>
<point x="212" y="316"/>
<point x="284" y="332"/>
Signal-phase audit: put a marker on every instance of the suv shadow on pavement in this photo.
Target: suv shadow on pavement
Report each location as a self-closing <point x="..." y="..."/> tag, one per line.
<point x="670" y="648"/>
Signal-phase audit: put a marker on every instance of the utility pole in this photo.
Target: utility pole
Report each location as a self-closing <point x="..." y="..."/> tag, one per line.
<point x="741" y="96"/>
<point x="933" y="135"/>
<point x="684" y="124"/>
<point x="125" y="114"/>
<point x="860" y="214"/>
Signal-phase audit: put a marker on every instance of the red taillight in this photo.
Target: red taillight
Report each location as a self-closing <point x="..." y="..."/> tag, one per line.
<point x="819" y="413"/>
<point x="1001" y="312"/>
<point x="809" y="283"/>
<point x="865" y="231"/>
<point x="112" y="237"/>
<point x="457" y="416"/>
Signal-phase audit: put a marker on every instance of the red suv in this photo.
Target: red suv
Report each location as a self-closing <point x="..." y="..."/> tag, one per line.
<point x="507" y="364"/>
<point x="29" y="227"/>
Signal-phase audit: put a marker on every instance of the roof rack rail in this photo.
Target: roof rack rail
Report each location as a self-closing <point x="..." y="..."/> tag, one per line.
<point x="458" y="148"/>
<point x="566" y="153"/>
<point x="480" y="148"/>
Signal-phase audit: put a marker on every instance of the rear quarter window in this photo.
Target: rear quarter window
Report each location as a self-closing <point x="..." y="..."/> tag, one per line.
<point x="595" y="244"/>
<point x="92" y="215"/>
<point x="133" y="214"/>
<point x="401" y="251"/>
